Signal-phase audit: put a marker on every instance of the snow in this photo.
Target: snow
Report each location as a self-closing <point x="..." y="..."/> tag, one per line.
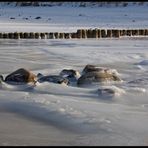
<point x="54" y="114"/>
<point x="54" y="18"/>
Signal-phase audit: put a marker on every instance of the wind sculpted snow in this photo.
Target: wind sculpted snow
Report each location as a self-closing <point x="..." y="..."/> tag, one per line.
<point x="113" y="113"/>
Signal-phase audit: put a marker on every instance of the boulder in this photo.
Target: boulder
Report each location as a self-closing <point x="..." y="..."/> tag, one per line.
<point x="70" y="74"/>
<point x="52" y="78"/>
<point x="110" y="91"/>
<point x="90" y="68"/>
<point x="92" y="74"/>
<point x="106" y="92"/>
<point x="21" y="76"/>
<point x="93" y="77"/>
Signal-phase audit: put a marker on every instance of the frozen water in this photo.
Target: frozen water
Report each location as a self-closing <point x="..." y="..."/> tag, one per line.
<point x="54" y="114"/>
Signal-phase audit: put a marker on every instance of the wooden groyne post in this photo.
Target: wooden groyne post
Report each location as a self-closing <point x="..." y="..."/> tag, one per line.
<point x="79" y="34"/>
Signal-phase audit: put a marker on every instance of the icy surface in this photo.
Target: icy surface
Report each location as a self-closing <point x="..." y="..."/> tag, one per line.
<point x="68" y="19"/>
<point x="54" y="114"/>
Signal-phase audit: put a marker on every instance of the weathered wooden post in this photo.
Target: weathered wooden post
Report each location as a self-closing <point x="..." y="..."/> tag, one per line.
<point x="115" y="33"/>
<point x="1" y="35"/>
<point x="141" y="32"/>
<point x="79" y="33"/>
<point x="135" y="32"/>
<point x="103" y="33"/>
<point x="123" y="32"/>
<point x="21" y="35"/>
<point x="37" y="35"/>
<point x="42" y="35"/>
<point x="120" y="31"/>
<point x="61" y="35"/>
<point x="73" y="35"/>
<point x="5" y="36"/>
<point x="99" y="33"/>
<point x="26" y="35"/>
<point x="109" y="33"/>
<point x="51" y="35"/>
<point x="84" y="34"/>
<point x="16" y="35"/>
<point x="56" y="34"/>
<point x="11" y="35"/>
<point x="146" y="32"/>
<point x="89" y="33"/>
<point x="46" y="35"/>
<point x="94" y="33"/>
<point x="129" y="32"/>
<point x="32" y="35"/>
<point x="67" y="35"/>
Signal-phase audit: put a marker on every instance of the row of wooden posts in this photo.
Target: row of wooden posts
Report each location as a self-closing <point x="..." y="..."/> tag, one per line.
<point x="81" y="33"/>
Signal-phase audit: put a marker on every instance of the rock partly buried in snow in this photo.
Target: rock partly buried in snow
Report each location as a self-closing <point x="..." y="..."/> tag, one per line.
<point x="70" y="74"/>
<point x="12" y="18"/>
<point x="92" y="68"/>
<point x="140" y="81"/>
<point x="15" y="85"/>
<point x="92" y="74"/>
<point x="21" y="76"/>
<point x="106" y="92"/>
<point x="94" y="77"/>
<point x="52" y="78"/>
<point x="38" y="17"/>
<point x="110" y="91"/>
<point x="144" y="62"/>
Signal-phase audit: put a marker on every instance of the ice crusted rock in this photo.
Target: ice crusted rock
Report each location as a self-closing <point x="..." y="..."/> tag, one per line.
<point x="21" y="76"/>
<point x="110" y="91"/>
<point x="70" y="74"/>
<point x="52" y="78"/>
<point x="92" y="74"/>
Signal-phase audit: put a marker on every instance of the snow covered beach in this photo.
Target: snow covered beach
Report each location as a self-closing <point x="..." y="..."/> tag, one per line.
<point x="67" y="18"/>
<point x="53" y="114"/>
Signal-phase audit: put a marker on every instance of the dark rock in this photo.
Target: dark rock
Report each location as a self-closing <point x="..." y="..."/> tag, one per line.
<point x="38" y="17"/>
<point x="110" y="91"/>
<point x="106" y="91"/>
<point x="93" y="77"/>
<point x="12" y="18"/>
<point x="91" y="68"/>
<point x="70" y="74"/>
<point x="21" y="76"/>
<point x="52" y="78"/>
<point x="92" y="74"/>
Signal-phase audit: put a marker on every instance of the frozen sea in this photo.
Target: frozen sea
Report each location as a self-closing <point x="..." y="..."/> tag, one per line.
<point x="53" y="114"/>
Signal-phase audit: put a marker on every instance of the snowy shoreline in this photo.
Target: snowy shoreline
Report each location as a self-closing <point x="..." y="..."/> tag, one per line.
<point x="54" y="114"/>
<point x="68" y="19"/>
